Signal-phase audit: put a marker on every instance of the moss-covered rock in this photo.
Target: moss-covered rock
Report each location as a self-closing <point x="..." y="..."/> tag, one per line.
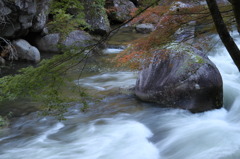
<point x="96" y="16"/>
<point x="181" y="79"/>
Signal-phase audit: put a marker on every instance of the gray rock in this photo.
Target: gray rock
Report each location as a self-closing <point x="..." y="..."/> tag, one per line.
<point x="40" y="18"/>
<point x="77" y="38"/>
<point x="145" y="28"/>
<point x="186" y="33"/>
<point x="121" y="10"/>
<point x="19" y="17"/>
<point x="183" y="80"/>
<point x="26" y="51"/>
<point x="27" y="6"/>
<point x="48" y="43"/>
<point x="4" y="10"/>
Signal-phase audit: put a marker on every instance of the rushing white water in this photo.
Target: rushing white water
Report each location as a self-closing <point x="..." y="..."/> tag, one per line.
<point x="112" y="50"/>
<point x="108" y="81"/>
<point x="122" y="127"/>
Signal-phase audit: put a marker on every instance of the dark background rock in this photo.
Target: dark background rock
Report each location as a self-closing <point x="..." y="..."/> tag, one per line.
<point x="119" y="10"/>
<point x="181" y="80"/>
<point x="96" y="17"/>
<point x="48" y="43"/>
<point x="77" y="38"/>
<point x="21" y="17"/>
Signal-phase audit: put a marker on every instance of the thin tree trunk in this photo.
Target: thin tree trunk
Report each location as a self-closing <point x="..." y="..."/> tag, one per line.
<point x="222" y="30"/>
<point x="236" y="10"/>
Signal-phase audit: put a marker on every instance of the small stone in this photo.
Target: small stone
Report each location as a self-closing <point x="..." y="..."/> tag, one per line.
<point x="145" y="28"/>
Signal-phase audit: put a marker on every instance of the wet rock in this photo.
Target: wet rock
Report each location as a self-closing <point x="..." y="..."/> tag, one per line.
<point x="145" y="28"/>
<point x="119" y="10"/>
<point x="76" y="38"/>
<point x="182" y="79"/>
<point x="26" y="51"/>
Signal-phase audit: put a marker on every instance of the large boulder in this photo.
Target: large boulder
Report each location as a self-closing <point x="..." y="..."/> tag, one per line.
<point x="49" y="43"/>
<point x="26" y="51"/>
<point x="19" y="17"/>
<point x="181" y="79"/>
<point x="119" y="10"/>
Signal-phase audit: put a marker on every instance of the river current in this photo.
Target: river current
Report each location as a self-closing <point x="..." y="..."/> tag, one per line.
<point x="120" y="126"/>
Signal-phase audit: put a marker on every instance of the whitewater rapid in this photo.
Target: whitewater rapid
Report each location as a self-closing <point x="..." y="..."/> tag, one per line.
<point x="122" y="127"/>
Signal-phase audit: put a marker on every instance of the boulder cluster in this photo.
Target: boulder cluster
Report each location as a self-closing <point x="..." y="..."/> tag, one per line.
<point x="23" y="26"/>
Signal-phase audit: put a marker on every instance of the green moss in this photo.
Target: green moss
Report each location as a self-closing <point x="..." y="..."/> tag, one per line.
<point x="3" y="122"/>
<point x="63" y="20"/>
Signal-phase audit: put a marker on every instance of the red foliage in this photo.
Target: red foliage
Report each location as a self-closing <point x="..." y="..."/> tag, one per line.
<point x="168" y="22"/>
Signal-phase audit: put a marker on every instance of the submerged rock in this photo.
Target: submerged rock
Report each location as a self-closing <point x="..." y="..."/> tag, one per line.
<point x="181" y="79"/>
<point x="26" y="51"/>
<point x="145" y="28"/>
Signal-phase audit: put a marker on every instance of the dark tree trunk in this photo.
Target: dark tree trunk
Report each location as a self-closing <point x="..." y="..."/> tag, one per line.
<point x="236" y="10"/>
<point x="223" y="32"/>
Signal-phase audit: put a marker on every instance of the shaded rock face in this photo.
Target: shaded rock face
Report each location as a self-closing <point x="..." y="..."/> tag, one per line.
<point x="19" y="17"/>
<point x="77" y="38"/>
<point x="96" y="17"/>
<point x="26" y="51"/>
<point x="181" y="80"/>
<point x="48" y="43"/>
<point x="119" y="10"/>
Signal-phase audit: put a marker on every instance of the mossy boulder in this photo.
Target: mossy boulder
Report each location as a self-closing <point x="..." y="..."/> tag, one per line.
<point x="96" y="16"/>
<point x="183" y="79"/>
